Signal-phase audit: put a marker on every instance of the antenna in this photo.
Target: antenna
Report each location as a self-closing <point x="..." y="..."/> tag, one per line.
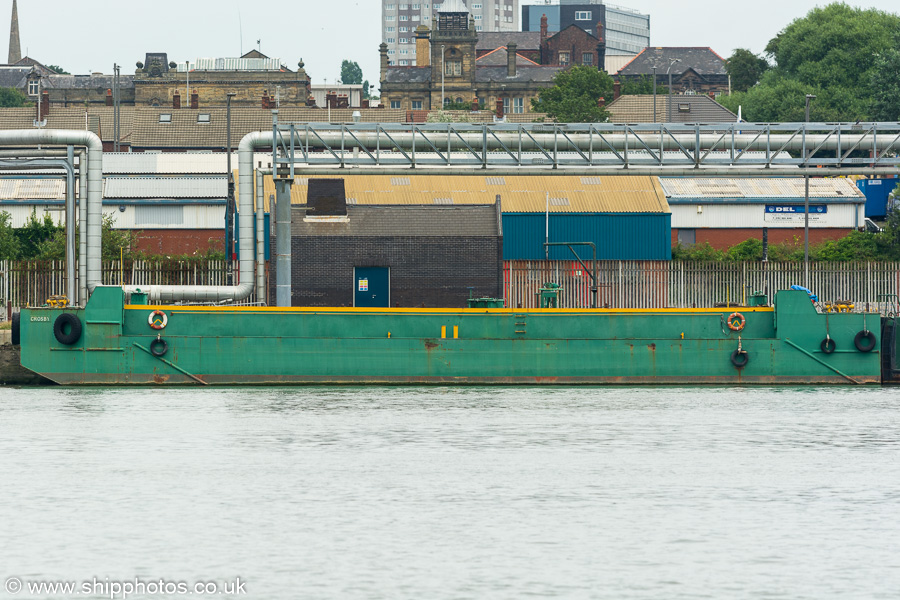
<point x="240" y="27"/>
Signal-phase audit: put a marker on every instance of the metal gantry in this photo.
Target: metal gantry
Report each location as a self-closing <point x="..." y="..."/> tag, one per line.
<point x="644" y="147"/>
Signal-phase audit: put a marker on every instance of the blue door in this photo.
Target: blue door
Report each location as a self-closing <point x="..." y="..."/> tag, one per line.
<point x="372" y="287"/>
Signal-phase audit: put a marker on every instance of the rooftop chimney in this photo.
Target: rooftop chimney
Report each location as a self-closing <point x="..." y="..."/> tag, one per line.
<point x="195" y="99"/>
<point x="176" y="100"/>
<point x="617" y="90"/>
<point x="601" y="102"/>
<point x="15" y="49"/>
<point x="511" y="57"/>
<point x="543" y="28"/>
<point x="423" y="50"/>
<point x="109" y="98"/>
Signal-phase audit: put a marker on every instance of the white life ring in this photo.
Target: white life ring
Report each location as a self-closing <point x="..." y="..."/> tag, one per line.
<point x="156" y="322"/>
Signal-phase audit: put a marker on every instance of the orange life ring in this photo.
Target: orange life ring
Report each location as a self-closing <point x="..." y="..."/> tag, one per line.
<point x="736" y="321"/>
<point x="156" y="322"/>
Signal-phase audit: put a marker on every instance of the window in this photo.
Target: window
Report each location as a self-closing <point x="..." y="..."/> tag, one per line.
<point x="477" y="17"/>
<point x="447" y="101"/>
<point x="417" y="105"/>
<point x="390" y="29"/>
<point x="453" y="68"/>
<point x="390" y="40"/>
<point x="389" y="18"/>
<point x="203" y="118"/>
<point x="518" y="105"/>
<point x="564" y="58"/>
<point x="587" y="58"/>
<point x="476" y="7"/>
<point x="505" y="105"/>
<point x="395" y="104"/>
<point x="165" y="117"/>
<point x="404" y="40"/>
<point x="33" y="87"/>
<point x="687" y="237"/>
<point x="404" y="29"/>
<point x="404" y="63"/>
<point x="478" y="28"/>
<point x="388" y="7"/>
<point x="404" y="18"/>
<point x="582" y="15"/>
<point x="404" y="7"/>
<point x="414" y="18"/>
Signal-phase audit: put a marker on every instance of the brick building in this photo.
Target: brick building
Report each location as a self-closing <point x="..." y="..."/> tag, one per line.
<point x="407" y="256"/>
<point x="695" y="70"/>
<point x="206" y="81"/>
<point x="449" y="70"/>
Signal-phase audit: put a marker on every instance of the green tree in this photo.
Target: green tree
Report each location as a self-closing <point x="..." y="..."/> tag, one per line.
<point x="885" y="85"/>
<point x="745" y="69"/>
<point x="58" y="70"/>
<point x="35" y="233"/>
<point x="351" y="72"/>
<point x="573" y="97"/>
<point x="642" y="86"/>
<point x="832" y="53"/>
<point x="12" y="98"/>
<point x="111" y="239"/>
<point x="366" y="94"/>
<point x="9" y="243"/>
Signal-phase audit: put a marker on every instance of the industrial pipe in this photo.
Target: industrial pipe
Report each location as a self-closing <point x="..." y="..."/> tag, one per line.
<point x="61" y="137"/>
<point x="246" y="284"/>
<point x="496" y="139"/>
<point x="261" y="291"/>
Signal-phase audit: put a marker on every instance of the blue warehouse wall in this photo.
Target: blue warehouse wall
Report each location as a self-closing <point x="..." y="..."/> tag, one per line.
<point x="617" y="236"/>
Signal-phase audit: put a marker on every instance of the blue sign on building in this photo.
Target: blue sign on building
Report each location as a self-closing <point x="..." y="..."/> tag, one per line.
<point x="790" y="209"/>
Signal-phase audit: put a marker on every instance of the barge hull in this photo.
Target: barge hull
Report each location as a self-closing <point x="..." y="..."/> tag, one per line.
<point x="270" y="346"/>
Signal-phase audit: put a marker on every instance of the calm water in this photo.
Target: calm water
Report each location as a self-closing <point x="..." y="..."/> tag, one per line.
<point x="456" y="493"/>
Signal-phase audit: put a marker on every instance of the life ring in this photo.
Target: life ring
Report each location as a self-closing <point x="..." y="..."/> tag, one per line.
<point x="828" y="345"/>
<point x="67" y="329"/>
<point x="861" y="345"/>
<point x="736" y="321"/>
<point x="740" y="358"/>
<point x="159" y="347"/>
<point x="158" y="320"/>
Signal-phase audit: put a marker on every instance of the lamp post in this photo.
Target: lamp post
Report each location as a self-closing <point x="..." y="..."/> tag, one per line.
<point x="669" y="73"/>
<point x="442" y="77"/>
<point x="654" y="94"/>
<point x="809" y="99"/>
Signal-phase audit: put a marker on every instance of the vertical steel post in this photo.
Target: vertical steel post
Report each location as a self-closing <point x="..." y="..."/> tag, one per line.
<point x="283" y="243"/>
<point x="261" y="291"/>
<point x="654" y="94"/>
<point x="82" y="227"/>
<point x="71" y="283"/>
<point x="809" y="99"/>
<point x="229" y="206"/>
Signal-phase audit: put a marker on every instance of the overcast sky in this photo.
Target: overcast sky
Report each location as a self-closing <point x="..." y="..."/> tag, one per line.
<point x="86" y="36"/>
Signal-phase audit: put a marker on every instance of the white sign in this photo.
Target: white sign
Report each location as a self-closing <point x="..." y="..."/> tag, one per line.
<point x="364" y="285"/>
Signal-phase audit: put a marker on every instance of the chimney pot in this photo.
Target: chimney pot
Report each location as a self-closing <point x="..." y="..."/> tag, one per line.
<point x="617" y="90"/>
<point x="109" y="97"/>
<point x="601" y="102"/>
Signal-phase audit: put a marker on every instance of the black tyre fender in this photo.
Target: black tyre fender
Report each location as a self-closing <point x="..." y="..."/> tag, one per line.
<point x="828" y="345"/>
<point x="740" y="358"/>
<point x="865" y="341"/>
<point x="16" y="331"/>
<point x="159" y="347"/>
<point x="74" y="329"/>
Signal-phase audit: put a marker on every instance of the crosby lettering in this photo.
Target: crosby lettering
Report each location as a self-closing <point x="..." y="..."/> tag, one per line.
<point x="40" y="319"/>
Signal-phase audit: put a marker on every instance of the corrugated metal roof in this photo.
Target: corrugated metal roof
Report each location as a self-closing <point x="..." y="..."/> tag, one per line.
<point x="166" y="187"/>
<point x="36" y="189"/>
<point x="135" y="163"/>
<point x="792" y="188"/>
<point x="622" y="194"/>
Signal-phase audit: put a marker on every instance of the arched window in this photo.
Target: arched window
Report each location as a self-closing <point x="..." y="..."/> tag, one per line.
<point x="453" y="63"/>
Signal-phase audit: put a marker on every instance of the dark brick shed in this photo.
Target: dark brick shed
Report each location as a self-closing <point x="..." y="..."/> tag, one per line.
<point x="434" y="253"/>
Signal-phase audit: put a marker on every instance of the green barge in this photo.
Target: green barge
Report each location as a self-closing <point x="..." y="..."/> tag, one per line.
<point x="111" y="342"/>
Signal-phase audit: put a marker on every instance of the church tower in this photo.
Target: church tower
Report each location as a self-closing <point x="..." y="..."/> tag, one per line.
<point x="15" y="48"/>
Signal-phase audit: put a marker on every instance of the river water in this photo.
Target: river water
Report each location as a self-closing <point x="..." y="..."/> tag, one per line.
<point x="433" y="493"/>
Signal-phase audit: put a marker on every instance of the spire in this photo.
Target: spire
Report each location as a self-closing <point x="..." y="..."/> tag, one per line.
<point x="15" y="49"/>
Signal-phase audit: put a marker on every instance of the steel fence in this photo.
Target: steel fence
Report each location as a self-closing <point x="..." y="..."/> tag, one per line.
<point x="31" y="283"/>
<point x="679" y="284"/>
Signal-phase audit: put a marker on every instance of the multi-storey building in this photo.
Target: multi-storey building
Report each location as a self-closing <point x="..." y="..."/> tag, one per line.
<point x="627" y="31"/>
<point x="399" y="20"/>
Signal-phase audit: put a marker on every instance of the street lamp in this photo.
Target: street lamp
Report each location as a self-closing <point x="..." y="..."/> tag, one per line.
<point x="654" y="94"/>
<point x="809" y="99"/>
<point x="442" y="77"/>
<point x="669" y="73"/>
